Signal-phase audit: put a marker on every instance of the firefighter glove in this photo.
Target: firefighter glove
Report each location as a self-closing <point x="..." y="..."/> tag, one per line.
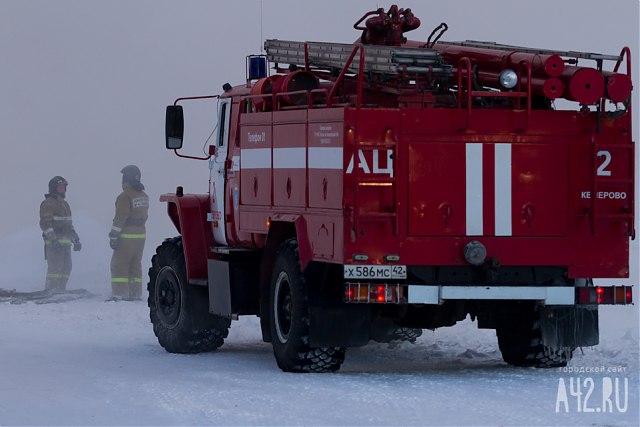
<point x="77" y="245"/>
<point x="113" y="242"/>
<point x="114" y="239"/>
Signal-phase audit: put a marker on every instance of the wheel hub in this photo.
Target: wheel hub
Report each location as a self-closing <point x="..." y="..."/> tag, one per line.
<point x="167" y="296"/>
<point x="282" y="307"/>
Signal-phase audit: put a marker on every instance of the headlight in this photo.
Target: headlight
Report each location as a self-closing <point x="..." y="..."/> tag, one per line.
<point x="508" y="79"/>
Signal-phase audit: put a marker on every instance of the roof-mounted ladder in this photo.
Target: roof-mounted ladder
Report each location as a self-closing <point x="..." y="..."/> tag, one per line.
<point x="377" y="59"/>
<point x="566" y="53"/>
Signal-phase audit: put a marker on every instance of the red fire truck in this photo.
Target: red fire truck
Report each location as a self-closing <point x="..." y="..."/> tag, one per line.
<point x="370" y="190"/>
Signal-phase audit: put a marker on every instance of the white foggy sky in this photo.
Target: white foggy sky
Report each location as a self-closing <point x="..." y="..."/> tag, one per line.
<point x="84" y="84"/>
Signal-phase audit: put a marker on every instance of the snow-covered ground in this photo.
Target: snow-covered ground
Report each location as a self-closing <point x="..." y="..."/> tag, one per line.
<point x="91" y="362"/>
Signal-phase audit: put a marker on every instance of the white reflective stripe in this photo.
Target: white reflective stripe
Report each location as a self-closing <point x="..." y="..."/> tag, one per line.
<point x="474" y="189"/>
<point x="423" y="294"/>
<point x="550" y="295"/>
<point x="290" y="158"/>
<point x="118" y="229"/>
<point x="257" y="158"/>
<point x="503" y="190"/>
<point x="326" y="158"/>
<point x="140" y="202"/>
<point x="48" y="230"/>
<point x="235" y="163"/>
<point x="62" y="218"/>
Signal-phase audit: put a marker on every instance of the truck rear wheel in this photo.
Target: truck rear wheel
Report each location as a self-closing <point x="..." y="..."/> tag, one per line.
<point x="179" y="311"/>
<point x="520" y="341"/>
<point x="289" y="318"/>
<point x="396" y="334"/>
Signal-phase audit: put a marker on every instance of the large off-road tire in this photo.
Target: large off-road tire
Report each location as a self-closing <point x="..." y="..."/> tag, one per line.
<point x="289" y="318"/>
<point x="520" y="341"/>
<point x="396" y="334"/>
<point x="179" y="311"/>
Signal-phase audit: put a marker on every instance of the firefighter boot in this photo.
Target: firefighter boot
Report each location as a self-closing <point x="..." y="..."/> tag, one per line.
<point x="55" y="286"/>
<point x="119" y="291"/>
<point x="135" y="291"/>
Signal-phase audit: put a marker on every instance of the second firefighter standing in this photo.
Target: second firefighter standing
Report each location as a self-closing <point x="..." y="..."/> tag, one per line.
<point x="128" y="235"/>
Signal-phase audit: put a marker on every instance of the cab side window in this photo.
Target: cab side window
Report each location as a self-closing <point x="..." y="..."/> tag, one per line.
<point x="222" y="124"/>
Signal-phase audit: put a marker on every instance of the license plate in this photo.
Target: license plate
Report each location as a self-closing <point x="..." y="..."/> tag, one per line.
<point x="375" y="271"/>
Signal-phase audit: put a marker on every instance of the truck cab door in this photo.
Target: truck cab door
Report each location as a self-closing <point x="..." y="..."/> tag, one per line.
<point x="218" y="175"/>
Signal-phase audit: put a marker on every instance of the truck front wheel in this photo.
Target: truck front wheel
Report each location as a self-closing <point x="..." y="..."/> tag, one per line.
<point x="289" y="318"/>
<point x="179" y="311"/>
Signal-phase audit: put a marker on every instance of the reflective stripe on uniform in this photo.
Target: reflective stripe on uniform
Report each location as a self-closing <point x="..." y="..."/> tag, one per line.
<point x="62" y="218"/>
<point x="118" y="229"/>
<point x="133" y="236"/>
<point x="57" y="276"/>
<point x="126" y="280"/>
<point x="61" y="241"/>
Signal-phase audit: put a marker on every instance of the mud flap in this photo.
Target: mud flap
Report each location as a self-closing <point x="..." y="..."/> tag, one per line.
<point x="233" y="285"/>
<point x="339" y="326"/>
<point x="219" y="288"/>
<point x="569" y="326"/>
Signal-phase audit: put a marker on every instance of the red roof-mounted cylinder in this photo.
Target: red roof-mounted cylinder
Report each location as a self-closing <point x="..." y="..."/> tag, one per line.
<point x="584" y="85"/>
<point x="497" y="60"/>
<point x="618" y="86"/>
<point x="550" y="65"/>
<point x="554" y="65"/>
<point x="552" y="88"/>
<point x="265" y="87"/>
<point x="297" y="81"/>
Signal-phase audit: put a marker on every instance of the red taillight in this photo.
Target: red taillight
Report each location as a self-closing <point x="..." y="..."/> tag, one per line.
<point x="373" y="293"/>
<point x="357" y="292"/>
<point x="604" y="295"/>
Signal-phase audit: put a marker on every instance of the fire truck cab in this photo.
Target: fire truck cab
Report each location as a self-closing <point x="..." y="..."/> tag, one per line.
<point x="368" y="191"/>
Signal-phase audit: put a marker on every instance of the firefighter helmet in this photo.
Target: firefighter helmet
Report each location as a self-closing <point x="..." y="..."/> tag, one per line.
<point x="54" y="182"/>
<point x="130" y="174"/>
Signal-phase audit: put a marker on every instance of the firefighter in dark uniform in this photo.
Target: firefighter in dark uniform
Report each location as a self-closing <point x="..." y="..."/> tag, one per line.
<point x="128" y="235"/>
<point x="58" y="234"/>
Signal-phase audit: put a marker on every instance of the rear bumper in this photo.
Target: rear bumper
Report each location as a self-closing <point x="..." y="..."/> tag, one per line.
<point x="385" y="293"/>
<point x="438" y="294"/>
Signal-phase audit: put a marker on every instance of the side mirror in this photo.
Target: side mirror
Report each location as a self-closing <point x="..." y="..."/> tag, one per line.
<point x="174" y="127"/>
